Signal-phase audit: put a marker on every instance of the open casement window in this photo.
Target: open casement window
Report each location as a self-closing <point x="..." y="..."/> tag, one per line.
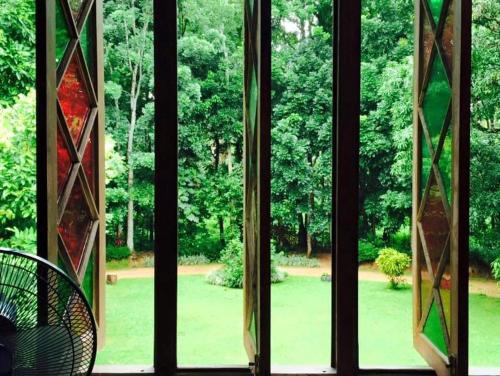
<point x="70" y="143"/>
<point x="440" y="196"/>
<point x="257" y="184"/>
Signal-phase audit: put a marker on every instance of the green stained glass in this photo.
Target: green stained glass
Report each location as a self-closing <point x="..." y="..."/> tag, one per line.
<point x="76" y="8"/>
<point x="252" y="101"/>
<point x="433" y="329"/>
<point x="435" y="7"/>
<point x="436" y="100"/>
<point x="426" y="164"/>
<point x="446" y="300"/>
<point x="86" y="43"/>
<point x="88" y="281"/>
<point x="62" y="32"/>
<point x="253" y="328"/>
<point x="445" y="164"/>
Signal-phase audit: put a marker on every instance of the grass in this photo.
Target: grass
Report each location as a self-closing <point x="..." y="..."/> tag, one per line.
<point x="210" y="324"/>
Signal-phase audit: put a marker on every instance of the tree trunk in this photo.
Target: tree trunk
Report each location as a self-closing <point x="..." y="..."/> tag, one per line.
<point x="130" y="167"/>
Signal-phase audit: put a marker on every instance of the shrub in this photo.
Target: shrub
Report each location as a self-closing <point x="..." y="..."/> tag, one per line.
<point x="148" y="262"/>
<point x="393" y="264"/>
<point x="296" y="260"/>
<point x="495" y="269"/>
<point x="117" y="253"/>
<point x="23" y="240"/>
<point x="231" y="275"/>
<point x="193" y="260"/>
<point x="368" y="252"/>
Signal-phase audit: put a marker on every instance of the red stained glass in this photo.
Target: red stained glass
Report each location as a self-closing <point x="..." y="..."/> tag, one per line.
<point x="75" y="225"/>
<point x="435" y="224"/>
<point x="74" y="99"/>
<point x="63" y="162"/>
<point x="88" y="161"/>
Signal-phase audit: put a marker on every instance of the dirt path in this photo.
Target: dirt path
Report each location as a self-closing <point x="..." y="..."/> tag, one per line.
<point x="366" y="273"/>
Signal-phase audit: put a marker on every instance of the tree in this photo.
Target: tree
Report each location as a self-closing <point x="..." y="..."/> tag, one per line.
<point x="17" y="49"/>
<point x="129" y="65"/>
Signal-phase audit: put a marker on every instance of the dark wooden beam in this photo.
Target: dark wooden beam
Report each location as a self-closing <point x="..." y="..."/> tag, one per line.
<point x="348" y="39"/>
<point x="165" y="59"/>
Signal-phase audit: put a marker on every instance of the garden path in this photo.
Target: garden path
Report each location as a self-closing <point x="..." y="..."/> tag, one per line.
<point x="367" y="272"/>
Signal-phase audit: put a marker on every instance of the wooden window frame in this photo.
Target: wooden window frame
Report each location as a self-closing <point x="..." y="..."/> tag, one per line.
<point x="345" y="131"/>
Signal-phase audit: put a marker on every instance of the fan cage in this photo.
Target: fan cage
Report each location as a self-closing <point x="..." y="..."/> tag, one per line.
<point x="46" y="323"/>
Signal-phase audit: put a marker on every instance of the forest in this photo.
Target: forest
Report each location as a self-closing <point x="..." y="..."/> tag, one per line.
<point x="210" y="71"/>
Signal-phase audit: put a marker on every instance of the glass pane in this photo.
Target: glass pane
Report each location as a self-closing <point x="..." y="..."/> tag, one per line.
<point x="426" y="164"/>
<point x="435" y="224"/>
<point x="435" y="7"/>
<point x="436" y="100"/>
<point x="88" y="161"/>
<point x="433" y="329"/>
<point x="428" y="42"/>
<point x="62" y="32"/>
<point x="445" y="163"/>
<point x="252" y="101"/>
<point x="447" y="37"/>
<point x="63" y="162"/>
<point x="86" y="43"/>
<point x="75" y="225"/>
<point x="88" y="281"/>
<point x="74" y="99"/>
<point x="445" y="292"/>
<point x="76" y="8"/>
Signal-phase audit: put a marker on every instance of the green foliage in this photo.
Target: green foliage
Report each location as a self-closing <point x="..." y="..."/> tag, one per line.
<point x="23" y="240"/>
<point x="17" y="49"/>
<point x="495" y="269"/>
<point x="283" y="259"/>
<point x="117" y="253"/>
<point x="232" y="274"/>
<point x="393" y="264"/>
<point x="18" y="170"/>
<point x="368" y="252"/>
<point x="193" y="260"/>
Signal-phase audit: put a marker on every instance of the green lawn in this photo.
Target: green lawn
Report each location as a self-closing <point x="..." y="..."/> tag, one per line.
<point x="210" y="324"/>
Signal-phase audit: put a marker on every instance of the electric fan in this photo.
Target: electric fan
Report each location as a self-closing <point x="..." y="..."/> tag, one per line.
<point x="46" y="324"/>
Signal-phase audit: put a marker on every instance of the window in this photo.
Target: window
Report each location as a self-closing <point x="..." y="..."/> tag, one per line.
<point x="70" y="176"/>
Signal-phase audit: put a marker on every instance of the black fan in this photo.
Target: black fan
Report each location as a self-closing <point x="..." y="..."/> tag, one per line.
<point x="46" y="324"/>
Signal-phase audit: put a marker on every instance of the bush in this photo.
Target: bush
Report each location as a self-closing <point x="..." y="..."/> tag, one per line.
<point x="368" y="252"/>
<point x="296" y="260"/>
<point x="484" y="248"/>
<point x="495" y="269"/>
<point x="22" y="240"/>
<point x="117" y="253"/>
<point x="231" y="275"/>
<point x="393" y="264"/>
<point x="193" y="260"/>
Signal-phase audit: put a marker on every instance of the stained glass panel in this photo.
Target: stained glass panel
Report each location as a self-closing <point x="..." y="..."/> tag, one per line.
<point x="62" y="33"/>
<point x="63" y="162"/>
<point x="88" y="161"/>
<point x="445" y="164"/>
<point x="252" y="100"/>
<point x="426" y="164"/>
<point x="436" y="100"/>
<point x="433" y="329"/>
<point x="86" y="43"/>
<point x="88" y="280"/>
<point x="74" y="98"/>
<point x="75" y="225"/>
<point x="447" y="37"/>
<point x="76" y="8"/>
<point x="435" y="7"/>
<point x="427" y="42"/>
<point x="435" y="224"/>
